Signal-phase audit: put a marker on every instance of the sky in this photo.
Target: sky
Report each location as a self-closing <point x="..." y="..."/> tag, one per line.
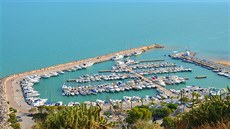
<point x="115" y="0"/>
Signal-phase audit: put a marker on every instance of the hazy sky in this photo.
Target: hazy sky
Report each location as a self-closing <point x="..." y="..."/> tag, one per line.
<point x="115" y="0"/>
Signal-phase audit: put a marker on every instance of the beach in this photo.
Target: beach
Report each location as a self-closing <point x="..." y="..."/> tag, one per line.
<point x="225" y="63"/>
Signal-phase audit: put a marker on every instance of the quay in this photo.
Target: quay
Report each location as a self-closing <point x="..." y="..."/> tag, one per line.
<point x="105" y="71"/>
<point x="142" y="61"/>
<point x="189" y="57"/>
<point x="166" y="92"/>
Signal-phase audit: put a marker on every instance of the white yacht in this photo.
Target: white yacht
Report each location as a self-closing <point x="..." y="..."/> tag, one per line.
<point x="31" y="95"/>
<point x="137" y="53"/>
<point x="87" y="64"/>
<point x="38" y="102"/>
<point x="160" y="82"/>
<point x="45" y="76"/>
<point x="117" y="57"/>
<point x="61" y="72"/>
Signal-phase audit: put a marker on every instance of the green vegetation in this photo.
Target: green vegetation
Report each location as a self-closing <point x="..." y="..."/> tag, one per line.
<point x="161" y="112"/>
<point x="172" y="106"/>
<point x="184" y="100"/>
<point x="138" y="113"/>
<point x="32" y="110"/>
<point x="168" y="122"/>
<point x="12" y="110"/>
<point x="15" y="125"/>
<point x="223" y="124"/>
<point x="141" y="124"/>
<point x="76" y="117"/>
<point x="13" y="120"/>
<point x="211" y="112"/>
<point x="208" y="113"/>
<point x="108" y="113"/>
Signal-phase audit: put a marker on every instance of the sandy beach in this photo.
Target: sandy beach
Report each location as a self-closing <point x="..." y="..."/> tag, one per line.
<point x="10" y="85"/>
<point x="225" y="63"/>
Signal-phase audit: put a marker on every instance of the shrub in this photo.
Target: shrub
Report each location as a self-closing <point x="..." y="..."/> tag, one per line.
<point x="168" y="122"/>
<point x="12" y="118"/>
<point x="140" y="124"/>
<point x="161" y="112"/>
<point x="172" y="106"/>
<point x="137" y="113"/>
<point x="12" y="110"/>
<point x="15" y="125"/>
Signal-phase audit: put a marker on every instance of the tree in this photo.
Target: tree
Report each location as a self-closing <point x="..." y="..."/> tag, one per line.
<point x="137" y="113"/>
<point x="184" y="100"/>
<point x="121" y="105"/>
<point x="171" y="97"/>
<point x="131" y="102"/>
<point x="195" y="99"/>
<point x="172" y="106"/>
<point x="168" y="122"/>
<point x="15" y="125"/>
<point x="12" y="118"/>
<point x="41" y="109"/>
<point x="142" y="101"/>
<point x="161" y="112"/>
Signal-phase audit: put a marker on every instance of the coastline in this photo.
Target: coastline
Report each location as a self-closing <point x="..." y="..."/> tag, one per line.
<point x="14" y="95"/>
<point x="225" y="63"/>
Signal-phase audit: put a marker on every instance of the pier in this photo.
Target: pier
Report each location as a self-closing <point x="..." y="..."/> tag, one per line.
<point x="142" y="61"/>
<point x="105" y="71"/>
<point x="167" y="92"/>
<point x="189" y="57"/>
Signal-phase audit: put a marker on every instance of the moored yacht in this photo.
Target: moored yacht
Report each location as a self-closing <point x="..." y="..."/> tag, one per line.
<point x="137" y="53"/>
<point x="117" y="57"/>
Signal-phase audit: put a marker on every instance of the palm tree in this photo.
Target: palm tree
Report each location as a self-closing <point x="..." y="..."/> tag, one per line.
<point x="171" y="97"/>
<point x="131" y="102"/>
<point x="142" y="101"/>
<point x="121" y="105"/>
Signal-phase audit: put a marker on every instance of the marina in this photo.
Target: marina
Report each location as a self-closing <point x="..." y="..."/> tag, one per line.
<point x="128" y="79"/>
<point x="126" y="75"/>
<point x="189" y="57"/>
<point x="28" y="79"/>
<point x="106" y="54"/>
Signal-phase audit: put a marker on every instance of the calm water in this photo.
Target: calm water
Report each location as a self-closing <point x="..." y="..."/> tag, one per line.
<point x="36" y="35"/>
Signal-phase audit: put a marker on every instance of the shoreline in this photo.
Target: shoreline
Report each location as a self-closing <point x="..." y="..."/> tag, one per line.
<point x="14" y="95"/>
<point x="225" y="63"/>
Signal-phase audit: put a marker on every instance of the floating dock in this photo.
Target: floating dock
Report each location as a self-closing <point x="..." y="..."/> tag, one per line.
<point x="167" y="92"/>
<point x="142" y="61"/>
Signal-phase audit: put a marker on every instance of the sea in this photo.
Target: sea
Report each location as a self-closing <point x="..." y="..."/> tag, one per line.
<point x="40" y="34"/>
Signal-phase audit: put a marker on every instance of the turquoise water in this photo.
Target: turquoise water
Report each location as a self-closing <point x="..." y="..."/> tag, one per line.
<point x="51" y="88"/>
<point x="36" y="35"/>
